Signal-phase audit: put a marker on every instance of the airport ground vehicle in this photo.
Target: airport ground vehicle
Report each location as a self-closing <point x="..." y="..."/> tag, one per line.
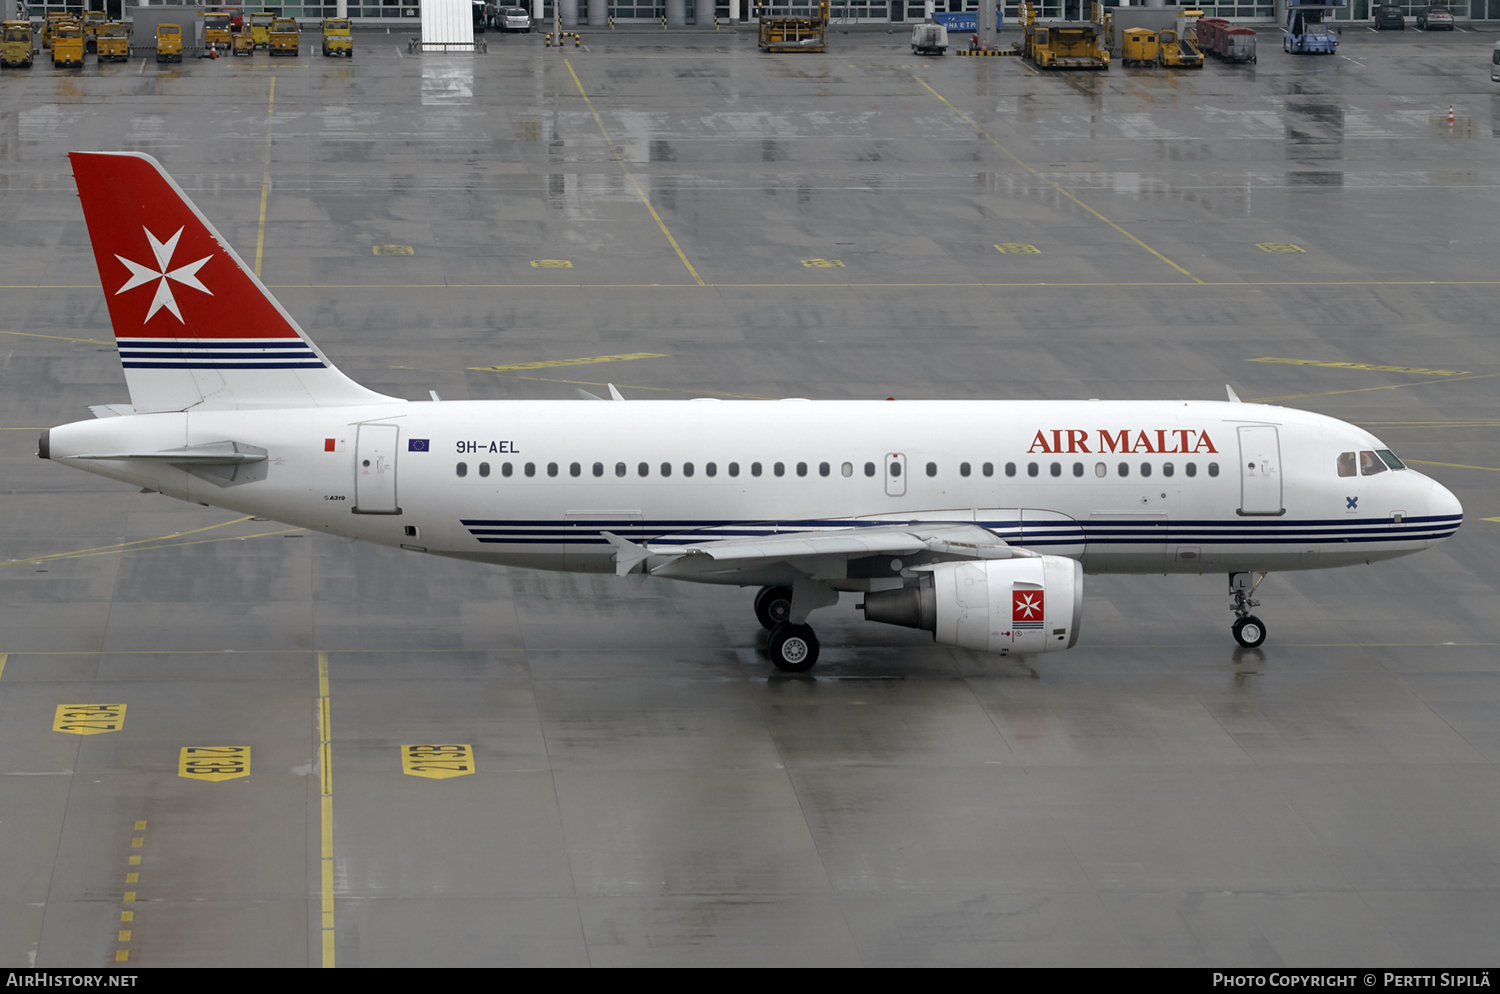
<point x="336" y="38"/>
<point x="17" y="44"/>
<point x="1435" y="19"/>
<point x="1179" y="47"/>
<point x="974" y="520"/>
<point x="50" y="25"/>
<point x="929" y="38"/>
<point x="169" y="43"/>
<point x="216" y="30"/>
<point x="1225" y="40"/>
<point x="67" y="44"/>
<point x="242" y="42"/>
<point x="113" y="42"/>
<point x="512" y="19"/>
<point x="1062" y="44"/>
<point x="92" y="21"/>
<point x="260" y="29"/>
<point x="1388" y="16"/>
<point x="1139" y="47"/>
<point x="1306" y="31"/>
<point x="285" y="39"/>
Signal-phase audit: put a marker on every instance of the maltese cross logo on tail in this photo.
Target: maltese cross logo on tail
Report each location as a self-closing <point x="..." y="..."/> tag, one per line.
<point x="141" y="275"/>
<point x="1026" y="609"/>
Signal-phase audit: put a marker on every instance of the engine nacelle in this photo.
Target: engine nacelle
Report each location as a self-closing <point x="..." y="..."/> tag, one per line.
<point x="995" y="605"/>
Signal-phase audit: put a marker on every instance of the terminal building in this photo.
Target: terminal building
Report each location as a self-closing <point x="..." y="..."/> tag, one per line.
<point x="842" y="12"/>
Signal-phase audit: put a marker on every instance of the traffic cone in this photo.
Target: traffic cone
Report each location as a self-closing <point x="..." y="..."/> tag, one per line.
<point x="1450" y="115"/>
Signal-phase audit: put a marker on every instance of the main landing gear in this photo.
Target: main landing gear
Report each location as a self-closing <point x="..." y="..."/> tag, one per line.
<point x="793" y="648"/>
<point x="1249" y="631"/>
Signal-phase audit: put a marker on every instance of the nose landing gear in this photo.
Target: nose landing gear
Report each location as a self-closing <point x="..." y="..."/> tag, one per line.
<point x="1248" y="630"/>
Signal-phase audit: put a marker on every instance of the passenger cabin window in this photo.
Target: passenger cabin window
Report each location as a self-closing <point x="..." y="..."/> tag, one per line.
<point x="869" y="469"/>
<point x="687" y="469"/>
<point x="644" y="469"/>
<point x="484" y="469"/>
<point x="1078" y="469"/>
<point x="598" y="469"/>
<point x="963" y="469"/>
<point x="619" y="469"/>
<point x="463" y="469"/>
<point x="932" y="469"/>
<point x="1213" y="469"/>
<point x="734" y="469"/>
<point x="530" y="469"/>
<point x="988" y="469"/>
<point x="712" y="469"/>
<point x="574" y="469"/>
<point x="505" y="469"/>
<point x="1346" y="464"/>
<point x="1370" y="463"/>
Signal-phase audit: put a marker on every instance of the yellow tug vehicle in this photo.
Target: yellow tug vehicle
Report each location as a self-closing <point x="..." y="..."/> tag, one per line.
<point x="112" y="42"/>
<point x="16" y="44"/>
<point x="336" y="37"/>
<point x="67" y="44"/>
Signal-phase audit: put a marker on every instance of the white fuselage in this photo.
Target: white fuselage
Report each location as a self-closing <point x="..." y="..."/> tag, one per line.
<point x="1123" y="486"/>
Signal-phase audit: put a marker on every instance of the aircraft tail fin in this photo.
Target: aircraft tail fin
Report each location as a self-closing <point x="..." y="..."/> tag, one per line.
<point x="195" y="326"/>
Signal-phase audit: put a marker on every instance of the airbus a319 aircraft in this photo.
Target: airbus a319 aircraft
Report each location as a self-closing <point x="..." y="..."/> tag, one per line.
<point x="974" y="520"/>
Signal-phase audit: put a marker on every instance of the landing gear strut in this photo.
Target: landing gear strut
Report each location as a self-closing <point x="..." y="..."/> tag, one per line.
<point x="793" y="648"/>
<point x="1249" y="631"/>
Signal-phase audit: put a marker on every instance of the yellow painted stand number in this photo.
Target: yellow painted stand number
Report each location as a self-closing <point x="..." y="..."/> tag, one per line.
<point x="395" y="250"/>
<point x="89" y="719"/>
<point x="437" y="762"/>
<point x="1278" y="247"/>
<point x="822" y="264"/>
<point x="551" y="264"/>
<point x="1018" y="248"/>
<point x="214" y="762"/>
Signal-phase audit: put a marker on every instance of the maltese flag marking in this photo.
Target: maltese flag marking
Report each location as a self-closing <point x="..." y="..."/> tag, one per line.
<point x="186" y="275"/>
<point x="1026" y="609"/>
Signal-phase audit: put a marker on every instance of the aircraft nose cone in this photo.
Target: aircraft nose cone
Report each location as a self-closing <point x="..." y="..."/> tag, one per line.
<point x="1442" y="502"/>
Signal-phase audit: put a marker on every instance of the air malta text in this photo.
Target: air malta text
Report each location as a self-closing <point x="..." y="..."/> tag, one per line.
<point x="1159" y="440"/>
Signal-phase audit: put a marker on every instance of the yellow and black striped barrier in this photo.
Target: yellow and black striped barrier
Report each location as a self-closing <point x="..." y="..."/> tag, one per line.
<point x="577" y="38"/>
<point x="993" y="52"/>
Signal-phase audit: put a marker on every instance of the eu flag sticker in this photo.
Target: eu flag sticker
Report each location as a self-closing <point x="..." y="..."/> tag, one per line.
<point x="416" y="445"/>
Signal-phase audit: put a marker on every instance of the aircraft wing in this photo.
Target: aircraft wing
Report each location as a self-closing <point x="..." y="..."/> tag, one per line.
<point x="794" y="548"/>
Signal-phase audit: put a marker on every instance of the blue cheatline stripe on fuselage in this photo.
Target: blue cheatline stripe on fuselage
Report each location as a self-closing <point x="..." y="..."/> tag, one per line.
<point x="1049" y="534"/>
<point x="237" y="353"/>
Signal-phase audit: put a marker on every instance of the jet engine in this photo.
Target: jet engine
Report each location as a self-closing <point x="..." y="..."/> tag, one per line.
<point x="1027" y="605"/>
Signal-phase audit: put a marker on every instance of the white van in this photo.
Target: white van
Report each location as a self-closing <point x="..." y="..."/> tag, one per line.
<point x="1495" y="63"/>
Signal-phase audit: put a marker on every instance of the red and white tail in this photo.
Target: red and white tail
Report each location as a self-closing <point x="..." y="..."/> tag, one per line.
<point x="195" y="327"/>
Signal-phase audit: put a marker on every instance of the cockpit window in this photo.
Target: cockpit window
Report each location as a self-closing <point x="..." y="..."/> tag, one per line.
<point x="1346" y="464"/>
<point x="1389" y="458"/>
<point x="1370" y="463"/>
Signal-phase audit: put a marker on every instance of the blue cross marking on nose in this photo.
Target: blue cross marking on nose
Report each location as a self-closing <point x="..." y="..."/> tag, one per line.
<point x="1352" y="503"/>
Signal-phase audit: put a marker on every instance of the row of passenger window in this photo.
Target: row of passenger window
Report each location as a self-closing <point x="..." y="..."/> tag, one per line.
<point x="826" y="469"/>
